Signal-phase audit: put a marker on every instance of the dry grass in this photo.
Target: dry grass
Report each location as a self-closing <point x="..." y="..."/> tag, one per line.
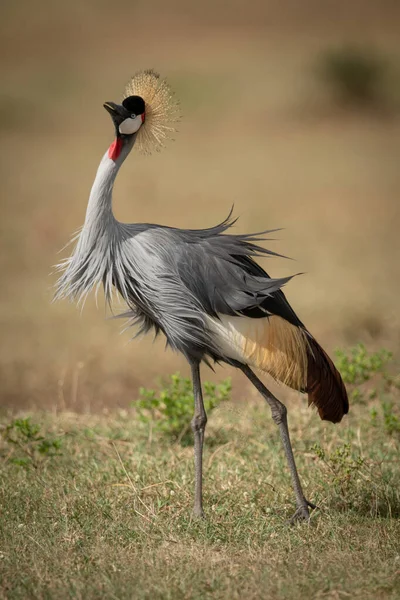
<point x="111" y="516"/>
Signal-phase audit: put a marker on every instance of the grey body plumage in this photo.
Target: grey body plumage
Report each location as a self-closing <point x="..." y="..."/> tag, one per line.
<point x="170" y="278"/>
<point x="201" y="288"/>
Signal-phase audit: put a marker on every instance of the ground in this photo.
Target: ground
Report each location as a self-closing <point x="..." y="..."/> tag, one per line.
<point x="110" y="514"/>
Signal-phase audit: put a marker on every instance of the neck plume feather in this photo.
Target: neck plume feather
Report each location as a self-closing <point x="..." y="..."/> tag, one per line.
<point x="93" y="257"/>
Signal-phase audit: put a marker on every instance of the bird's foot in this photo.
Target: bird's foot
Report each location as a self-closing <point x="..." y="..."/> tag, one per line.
<point x="302" y="513"/>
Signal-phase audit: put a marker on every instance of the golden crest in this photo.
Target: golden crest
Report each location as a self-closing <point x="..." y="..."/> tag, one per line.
<point x="162" y="110"/>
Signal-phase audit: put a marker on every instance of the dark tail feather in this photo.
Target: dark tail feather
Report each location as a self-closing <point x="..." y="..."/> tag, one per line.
<point x="325" y="386"/>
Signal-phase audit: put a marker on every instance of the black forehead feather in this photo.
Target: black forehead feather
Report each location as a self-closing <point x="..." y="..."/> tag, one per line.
<point x="135" y="105"/>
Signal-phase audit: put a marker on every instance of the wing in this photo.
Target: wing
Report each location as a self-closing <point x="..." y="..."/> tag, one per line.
<point x="220" y="271"/>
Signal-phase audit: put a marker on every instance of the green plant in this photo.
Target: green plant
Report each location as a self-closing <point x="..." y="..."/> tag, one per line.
<point x="27" y="446"/>
<point x="356" y="483"/>
<point x="354" y="74"/>
<point x="341" y="463"/>
<point x="386" y="415"/>
<point x="357" y="366"/>
<point x="170" y="409"/>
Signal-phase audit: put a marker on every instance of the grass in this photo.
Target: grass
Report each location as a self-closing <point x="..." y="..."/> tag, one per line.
<point x="100" y="506"/>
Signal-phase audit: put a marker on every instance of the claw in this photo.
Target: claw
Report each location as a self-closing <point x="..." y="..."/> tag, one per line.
<point x="302" y="513"/>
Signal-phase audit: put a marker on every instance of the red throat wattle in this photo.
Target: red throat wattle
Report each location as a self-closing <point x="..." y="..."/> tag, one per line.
<point x="115" y="149"/>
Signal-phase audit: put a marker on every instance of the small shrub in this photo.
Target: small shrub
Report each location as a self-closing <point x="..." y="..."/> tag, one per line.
<point x="356" y="483"/>
<point x="27" y="447"/>
<point x="170" y="409"/>
<point x="390" y="419"/>
<point x="341" y="463"/>
<point x="387" y="416"/>
<point x="357" y="366"/>
<point x="355" y="75"/>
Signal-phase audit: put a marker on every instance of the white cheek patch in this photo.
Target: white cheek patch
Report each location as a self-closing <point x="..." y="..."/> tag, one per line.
<point x="130" y="126"/>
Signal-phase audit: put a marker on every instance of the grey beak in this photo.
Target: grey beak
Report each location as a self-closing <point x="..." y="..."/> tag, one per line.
<point x="112" y="108"/>
<point x="118" y="114"/>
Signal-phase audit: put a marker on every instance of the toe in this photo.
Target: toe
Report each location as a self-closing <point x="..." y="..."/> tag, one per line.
<point x="301" y="514"/>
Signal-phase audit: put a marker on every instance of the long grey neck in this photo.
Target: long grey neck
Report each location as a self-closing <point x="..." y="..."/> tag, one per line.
<point x="99" y="214"/>
<point x="93" y="258"/>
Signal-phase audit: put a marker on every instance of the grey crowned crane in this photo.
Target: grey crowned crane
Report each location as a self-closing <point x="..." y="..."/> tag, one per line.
<point x="202" y="288"/>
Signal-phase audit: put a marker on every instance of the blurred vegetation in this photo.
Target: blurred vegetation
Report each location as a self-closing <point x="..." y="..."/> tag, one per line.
<point x="358" y="366"/>
<point x="354" y="75"/>
<point x="27" y="445"/>
<point x="369" y="376"/>
<point x="170" y="409"/>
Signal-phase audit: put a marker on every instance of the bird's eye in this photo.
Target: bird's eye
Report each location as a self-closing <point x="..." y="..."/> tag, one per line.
<point x="133" y="116"/>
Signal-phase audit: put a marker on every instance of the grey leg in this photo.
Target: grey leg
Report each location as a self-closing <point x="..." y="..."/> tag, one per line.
<point x="279" y="415"/>
<point x="199" y="422"/>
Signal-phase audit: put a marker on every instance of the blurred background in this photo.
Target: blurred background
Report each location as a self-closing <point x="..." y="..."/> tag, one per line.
<point x="291" y="112"/>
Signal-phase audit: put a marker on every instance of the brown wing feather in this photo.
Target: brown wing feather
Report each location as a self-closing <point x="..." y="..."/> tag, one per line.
<point x="325" y="386"/>
<point x="279" y="348"/>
